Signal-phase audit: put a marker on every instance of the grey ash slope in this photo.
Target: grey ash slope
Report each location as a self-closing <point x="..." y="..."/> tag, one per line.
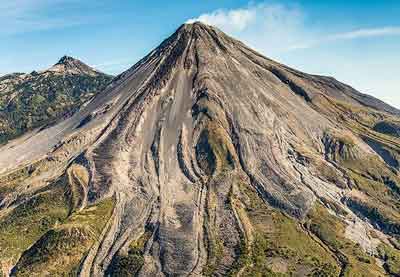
<point x="340" y="91"/>
<point x="206" y="158"/>
<point x="30" y="101"/>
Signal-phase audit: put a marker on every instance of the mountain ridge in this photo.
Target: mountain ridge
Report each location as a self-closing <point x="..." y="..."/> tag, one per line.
<point x="74" y="66"/>
<point x="31" y="100"/>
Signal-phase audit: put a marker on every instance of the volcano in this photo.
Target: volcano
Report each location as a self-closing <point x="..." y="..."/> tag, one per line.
<point x="207" y="159"/>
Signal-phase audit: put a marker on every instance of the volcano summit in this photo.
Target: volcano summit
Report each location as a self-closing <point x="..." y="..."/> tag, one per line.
<point x="207" y="159"/>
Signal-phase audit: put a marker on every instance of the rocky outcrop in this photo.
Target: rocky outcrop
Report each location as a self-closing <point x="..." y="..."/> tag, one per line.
<point x="389" y="128"/>
<point x="70" y="65"/>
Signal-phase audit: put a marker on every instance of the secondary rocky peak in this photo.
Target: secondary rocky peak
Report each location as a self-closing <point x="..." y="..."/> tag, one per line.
<point x="68" y="60"/>
<point x="71" y="65"/>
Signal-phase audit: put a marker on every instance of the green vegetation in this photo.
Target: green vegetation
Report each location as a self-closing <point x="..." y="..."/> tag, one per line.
<point x="215" y="250"/>
<point x="214" y="150"/>
<point x="377" y="184"/>
<point x="43" y="99"/>
<point x="214" y="154"/>
<point x="369" y="124"/>
<point x="379" y="200"/>
<point x="330" y="230"/>
<point x="215" y="246"/>
<point x="259" y="259"/>
<point x="93" y="217"/>
<point x="129" y="264"/>
<point x="24" y="225"/>
<point x="57" y="253"/>
<point x="281" y="246"/>
<point x="44" y="224"/>
<point x="12" y="180"/>
<point x="62" y="249"/>
<point x="391" y="257"/>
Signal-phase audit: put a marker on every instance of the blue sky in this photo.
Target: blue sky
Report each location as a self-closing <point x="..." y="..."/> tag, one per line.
<point x="357" y="42"/>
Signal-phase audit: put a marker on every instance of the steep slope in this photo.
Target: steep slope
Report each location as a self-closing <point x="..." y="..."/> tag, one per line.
<point x="29" y="101"/>
<point x="207" y="159"/>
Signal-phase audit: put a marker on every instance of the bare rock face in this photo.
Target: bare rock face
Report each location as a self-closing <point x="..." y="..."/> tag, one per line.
<point x="73" y="66"/>
<point x="206" y="159"/>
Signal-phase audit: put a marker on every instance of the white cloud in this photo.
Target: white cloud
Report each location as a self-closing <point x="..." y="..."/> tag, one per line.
<point x="270" y="28"/>
<point x="19" y="16"/>
<point x="357" y="34"/>
<point x="365" y="33"/>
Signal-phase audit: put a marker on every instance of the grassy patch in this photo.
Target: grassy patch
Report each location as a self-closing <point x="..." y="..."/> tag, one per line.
<point x="43" y="99"/>
<point x="93" y="217"/>
<point x="380" y="187"/>
<point x="214" y="151"/>
<point x="29" y="221"/>
<point x="129" y="264"/>
<point x="391" y="257"/>
<point x="330" y="230"/>
<point x="215" y="246"/>
<point x="11" y="180"/>
<point x="281" y="246"/>
<point x="61" y="250"/>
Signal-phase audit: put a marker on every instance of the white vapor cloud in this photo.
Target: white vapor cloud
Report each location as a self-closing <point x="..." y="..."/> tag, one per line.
<point x="270" y="28"/>
<point x="233" y="19"/>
